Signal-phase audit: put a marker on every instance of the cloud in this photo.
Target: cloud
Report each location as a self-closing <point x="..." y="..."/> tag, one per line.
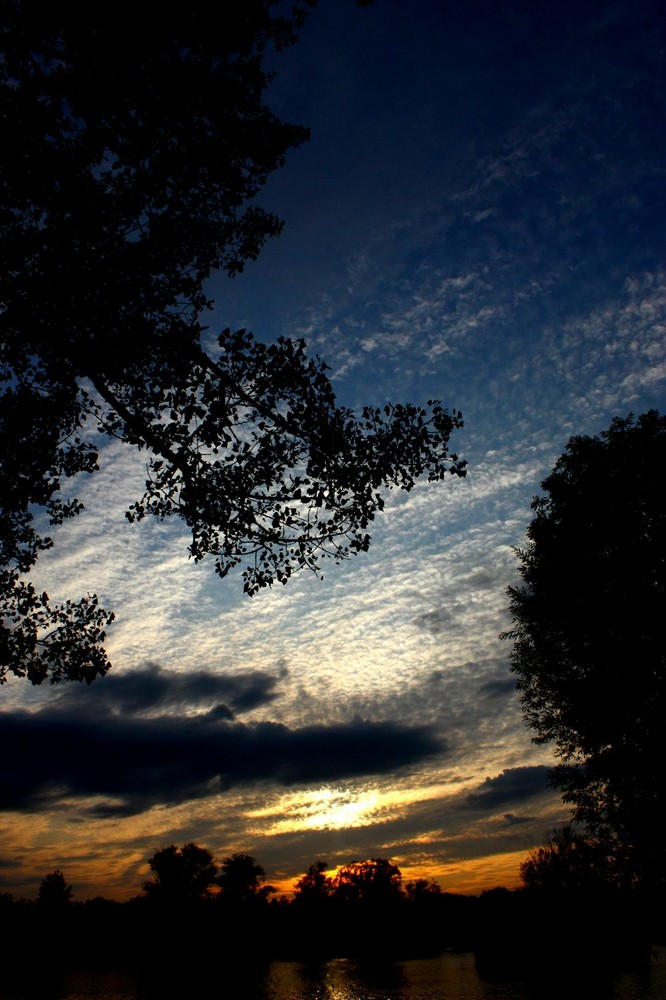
<point x="151" y="690"/>
<point x="131" y="764"/>
<point x="430" y="829"/>
<point x="512" y="820"/>
<point x="513" y="784"/>
<point x="498" y="688"/>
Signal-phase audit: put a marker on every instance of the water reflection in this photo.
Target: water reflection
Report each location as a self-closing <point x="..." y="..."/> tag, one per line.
<point x="447" y="977"/>
<point x="337" y="979"/>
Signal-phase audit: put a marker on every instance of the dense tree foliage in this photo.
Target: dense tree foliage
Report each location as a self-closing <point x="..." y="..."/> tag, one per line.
<point x="54" y="893"/>
<point x="567" y="862"/>
<point x="375" y="883"/>
<point x="315" y="887"/>
<point x="131" y="161"/>
<point x="422" y="890"/>
<point x="588" y="646"/>
<point x="242" y="879"/>
<point x="180" y="875"/>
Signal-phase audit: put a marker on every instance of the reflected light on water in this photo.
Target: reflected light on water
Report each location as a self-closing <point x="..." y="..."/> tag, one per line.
<point x="446" y="977"/>
<point x="449" y="976"/>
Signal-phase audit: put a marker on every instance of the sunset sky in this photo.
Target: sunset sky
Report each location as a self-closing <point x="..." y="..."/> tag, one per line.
<point x="479" y="217"/>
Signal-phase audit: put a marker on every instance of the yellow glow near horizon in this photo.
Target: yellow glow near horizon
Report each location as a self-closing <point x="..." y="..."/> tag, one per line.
<point x="338" y="809"/>
<point x="472" y="876"/>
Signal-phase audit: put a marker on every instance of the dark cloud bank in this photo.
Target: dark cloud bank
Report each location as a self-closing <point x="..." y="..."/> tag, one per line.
<point x="119" y="741"/>
<point x="512" y="785"/>
<point x="152" y="691"/>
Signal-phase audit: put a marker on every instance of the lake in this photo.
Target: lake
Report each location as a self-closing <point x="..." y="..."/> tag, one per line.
<point x="449" y="976"/>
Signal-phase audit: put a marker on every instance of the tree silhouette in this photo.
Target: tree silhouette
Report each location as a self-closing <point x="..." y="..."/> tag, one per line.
<point x="181" y="875"/>
<point x="587" y="635"/>
<point x="54" y="893"/>
<point x="422" y="891"/>
<point x="315" y="886"/>
<point x="242" y="880"/>
<point x="376" y="882"/>
<point x="568" y="861"/>
<point x="131" y="161"/>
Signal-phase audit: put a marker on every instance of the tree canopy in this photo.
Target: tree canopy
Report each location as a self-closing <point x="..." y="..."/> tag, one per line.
<point x="180" y="874"/>
<point x="587" y="635"/>
<point x="54" y="893"/>
<point x="315" y="886"/>
<point x="242" y="879"/>
<point x="131" y="164"/>
<point x="377" y="882"/>
<point x="567" y="862"/>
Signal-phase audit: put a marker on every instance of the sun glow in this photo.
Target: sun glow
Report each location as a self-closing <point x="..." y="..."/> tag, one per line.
<point x="337" y="808"/>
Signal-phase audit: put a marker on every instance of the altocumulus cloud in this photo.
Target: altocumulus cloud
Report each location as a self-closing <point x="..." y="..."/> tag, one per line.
<point x="138" y="759"/>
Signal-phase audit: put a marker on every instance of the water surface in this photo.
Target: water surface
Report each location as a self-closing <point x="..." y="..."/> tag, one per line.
<point x="447" y="977"/>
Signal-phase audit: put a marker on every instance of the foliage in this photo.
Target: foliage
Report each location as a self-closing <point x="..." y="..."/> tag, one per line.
<point x="422" y="891"/>
<point x="315" y="885"/>
<point x="242" y="879"/>
<point x="587" y="635"/>
<point x="54" y="893"/>
<point x="181" y="875"/>
<point x="131" y="161"/>
<point x="376" y="882"/>
<point x="567" y="862"/>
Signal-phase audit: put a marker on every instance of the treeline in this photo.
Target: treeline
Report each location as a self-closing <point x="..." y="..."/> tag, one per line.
<point x="192" y="910"/>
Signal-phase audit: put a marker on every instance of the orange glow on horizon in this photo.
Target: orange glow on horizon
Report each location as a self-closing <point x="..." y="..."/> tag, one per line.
<point x="466" y="877"/>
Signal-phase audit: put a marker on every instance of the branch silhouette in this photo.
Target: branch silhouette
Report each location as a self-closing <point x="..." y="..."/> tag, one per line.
<point x="133" y="161"/>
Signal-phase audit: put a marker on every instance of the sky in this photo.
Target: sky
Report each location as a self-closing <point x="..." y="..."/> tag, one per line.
<point x="479" y="217"/>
